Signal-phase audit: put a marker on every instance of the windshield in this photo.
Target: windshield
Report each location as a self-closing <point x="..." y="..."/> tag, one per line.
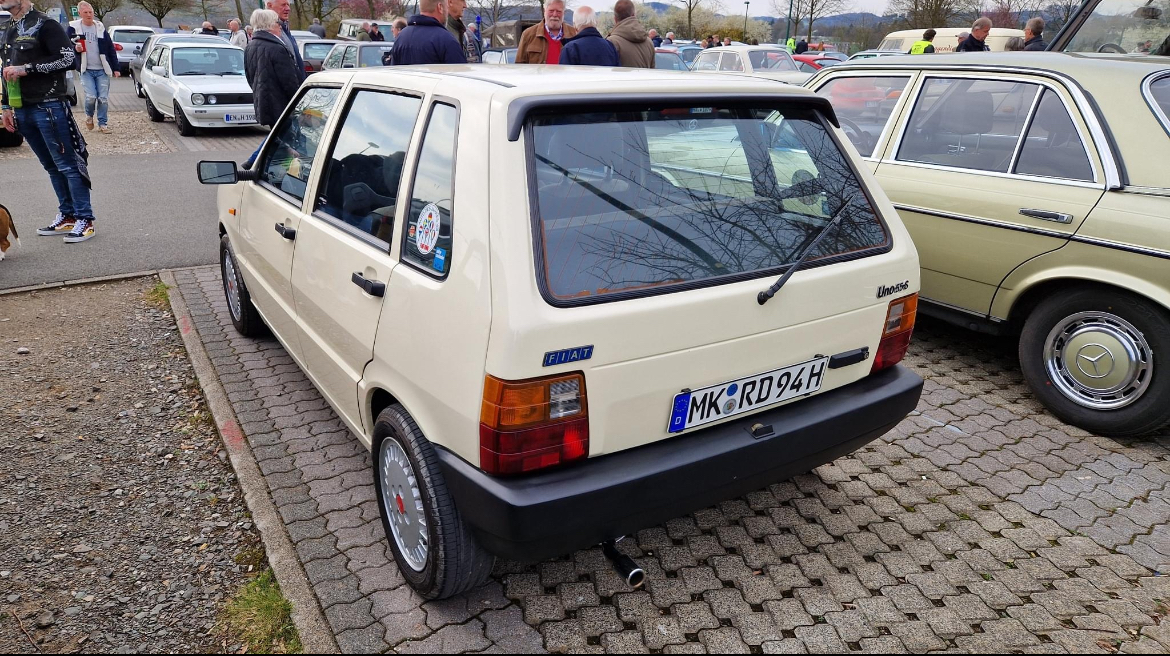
<point x="651" y="198"/>
<point x="669" y="61"/>
<point x="374" y="55"/>
<point x="1125" y="26"/>
<point x="207" y="61"/>
<point x="131" y="36"/>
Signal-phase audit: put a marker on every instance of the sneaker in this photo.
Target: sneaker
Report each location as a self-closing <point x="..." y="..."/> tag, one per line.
<point x="82" y="231"/>
<point x="60" y="225"/>
<point x="104" y="129"/>
<point x="88" y="122"/>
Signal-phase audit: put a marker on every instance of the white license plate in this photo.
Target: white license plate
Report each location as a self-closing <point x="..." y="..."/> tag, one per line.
<point x="871" y="103"/>
<point x="703" y="406"/>
<point x="239" y="118"/>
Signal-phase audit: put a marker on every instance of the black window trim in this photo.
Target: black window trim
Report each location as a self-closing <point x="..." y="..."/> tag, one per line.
<point x="828" y="121"/>
<point x="298" y="203"/>
<point x="314" y="211"/>
<point x="435" y="101"/>
<point x="1148" y="94"/>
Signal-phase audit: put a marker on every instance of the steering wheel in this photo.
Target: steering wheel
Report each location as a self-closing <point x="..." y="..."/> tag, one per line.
<point x="1111" y="47"/>
<point x="862" y="140"/>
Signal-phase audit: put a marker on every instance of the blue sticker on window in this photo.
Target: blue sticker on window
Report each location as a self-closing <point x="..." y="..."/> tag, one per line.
<point x="440" y="261"/>
<point x="553" y="358"/>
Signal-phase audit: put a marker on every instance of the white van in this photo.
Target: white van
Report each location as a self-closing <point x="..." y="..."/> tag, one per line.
<point x="540" y="295"/>
<point x="946" y="39"/>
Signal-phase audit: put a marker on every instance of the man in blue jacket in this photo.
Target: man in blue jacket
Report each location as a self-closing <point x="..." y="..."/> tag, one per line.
<point x="426" y="39"/>
<point x="98" y="62"/>
<point x="588" y="48"/>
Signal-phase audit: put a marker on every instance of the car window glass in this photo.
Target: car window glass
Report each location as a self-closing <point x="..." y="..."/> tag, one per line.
<point x="165" y="61"/>
<point x="378" y="55"/>
<point x="152" y="61"/>
<point x="630" y="200"/>
<point x="317" y="50"/>
<point x="864" y="105"/>
<point x="350" y="58"/>
<point x="292" y="147"/>
<point x="730" y="62"/>
<point x="970" y="124"/>
<point x="805" y="67"/>
<point x="708" y="61"/>
<point x="1053" y="148"/>
<point x="360" y="186"/>
<point x="1160" y="95"/>
<point x="428" y="218"/>
<point x="334" y="58"/>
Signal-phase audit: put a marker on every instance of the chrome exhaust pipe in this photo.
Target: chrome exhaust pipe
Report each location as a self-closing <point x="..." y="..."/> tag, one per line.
<point x="625" y="566"/>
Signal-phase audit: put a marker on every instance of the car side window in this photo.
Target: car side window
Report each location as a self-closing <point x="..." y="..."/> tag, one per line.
<point x="350" y="58"/>
<point x="364" y="173"/>
<point x="333" y="59"/>
<point x="730" y="62"/>
<point x="152" y="61"/>
<point x="806" y="67"/>
<point x="708" y="61"/>
<point x="969" y="124"/>
<point x="428" y="218"/>
<point x="865" y="105"/>
<point x="1053" y="147"/>
<point x="164" y="60"/>
<point x="292" y="146"/>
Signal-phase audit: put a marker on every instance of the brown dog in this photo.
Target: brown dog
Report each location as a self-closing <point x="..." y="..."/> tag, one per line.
<point x="7" y="227"/>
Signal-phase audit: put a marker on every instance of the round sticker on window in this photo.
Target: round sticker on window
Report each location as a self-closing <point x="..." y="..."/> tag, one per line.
<point x="427" y="233"/>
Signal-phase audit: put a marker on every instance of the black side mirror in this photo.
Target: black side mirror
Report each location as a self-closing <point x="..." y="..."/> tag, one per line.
<point x="216" y="173"/>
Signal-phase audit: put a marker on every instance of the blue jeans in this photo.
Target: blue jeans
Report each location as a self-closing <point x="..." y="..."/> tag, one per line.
<point x="45" y="127"/>
<point x="97" y="92"/>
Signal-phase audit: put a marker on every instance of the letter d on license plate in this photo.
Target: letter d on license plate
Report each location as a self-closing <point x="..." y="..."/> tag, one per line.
<point x="711" y="404"/>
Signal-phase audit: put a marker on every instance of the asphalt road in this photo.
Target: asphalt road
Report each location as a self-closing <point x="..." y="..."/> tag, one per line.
<point x="151" y="211"/>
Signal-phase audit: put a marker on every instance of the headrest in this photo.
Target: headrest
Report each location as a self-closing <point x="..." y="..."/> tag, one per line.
<point x="968" y="113"/>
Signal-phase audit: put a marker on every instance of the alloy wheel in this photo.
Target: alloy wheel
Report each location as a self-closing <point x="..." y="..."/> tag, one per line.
<point x="402" y="503"/>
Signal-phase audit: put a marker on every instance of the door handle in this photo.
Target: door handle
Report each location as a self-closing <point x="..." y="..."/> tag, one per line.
<point x="1045" y="215"/>
<point x="371" y="287"/>
<point x="287" y="233"/>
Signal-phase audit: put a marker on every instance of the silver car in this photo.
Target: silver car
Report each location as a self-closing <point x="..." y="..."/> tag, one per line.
<point x="126" y="38"/>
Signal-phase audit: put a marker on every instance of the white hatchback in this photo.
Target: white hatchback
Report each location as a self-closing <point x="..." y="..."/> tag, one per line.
<point x="561" y="304"/>
<point x="200" y="85"/>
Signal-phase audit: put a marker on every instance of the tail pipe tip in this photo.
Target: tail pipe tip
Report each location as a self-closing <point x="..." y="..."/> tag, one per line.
<point x="625" y="566"/>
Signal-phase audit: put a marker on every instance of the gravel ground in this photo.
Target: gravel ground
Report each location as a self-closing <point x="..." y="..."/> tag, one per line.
<point x="133" y="134"/>
<point x="122" y="527"/>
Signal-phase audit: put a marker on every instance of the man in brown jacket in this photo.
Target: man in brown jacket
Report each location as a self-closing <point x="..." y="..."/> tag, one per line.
<point x="630" y="38"/>
<point x="541" y="44"/>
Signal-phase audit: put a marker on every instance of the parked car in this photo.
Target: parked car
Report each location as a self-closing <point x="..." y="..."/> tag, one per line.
<point x="833" y="54"/>
<point x="126" y="39"/>
<point x="688" y="51"/>
<point x="669" y="59"/>
<point x="768" y="61"/>
<point x="946" y="39"/>
<point x="142" y="51"/>
<point x="812" y="63"/>
<point x="1034" y="187"/>
<point x="1120" y="26"/>
<point x="200" y="85"/>
<point x="221" y="33"/>
<point x="603" y="362"/>
<point x="315" y="51"/>
<point x="499" y="56"/>
<point x="358" y="54"/>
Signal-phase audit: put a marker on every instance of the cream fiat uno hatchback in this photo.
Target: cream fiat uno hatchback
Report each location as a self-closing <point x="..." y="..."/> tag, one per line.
<point x="540" y="296"/>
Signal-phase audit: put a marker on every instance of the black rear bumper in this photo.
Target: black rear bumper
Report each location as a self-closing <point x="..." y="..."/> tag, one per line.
<point x="553" y="513"/>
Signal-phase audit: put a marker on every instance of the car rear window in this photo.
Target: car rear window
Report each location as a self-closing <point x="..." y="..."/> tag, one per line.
<point x="317" y="50"/>
<point x="655" y="200"/>
<point x="1160" y="97"/>
<point x="131" y="36"/>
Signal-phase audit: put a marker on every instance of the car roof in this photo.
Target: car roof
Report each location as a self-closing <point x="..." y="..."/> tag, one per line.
<point x="953" y="32"/>
<point x="1086" y="68"/>
<point x="142" y="28"/>
<point x="199" y="44"/>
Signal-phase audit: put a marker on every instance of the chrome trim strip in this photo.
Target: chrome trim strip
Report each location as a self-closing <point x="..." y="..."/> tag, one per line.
<point x="956" y="308"/>
<point x="996" y="174"/>
<point x="1105" y="152"/>
<point x="1047" y="215"/>
<point x="1092" y="241"/>
<point x="1145" y="191"/>
<point x="1147" y="93"/>
<point x="971" y="219"/>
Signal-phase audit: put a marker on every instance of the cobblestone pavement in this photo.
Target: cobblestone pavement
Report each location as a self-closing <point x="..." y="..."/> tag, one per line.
<point x="981" y="524"/>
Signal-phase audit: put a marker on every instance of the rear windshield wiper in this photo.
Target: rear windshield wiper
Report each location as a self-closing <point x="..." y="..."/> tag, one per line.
<point x="767" y="295"/>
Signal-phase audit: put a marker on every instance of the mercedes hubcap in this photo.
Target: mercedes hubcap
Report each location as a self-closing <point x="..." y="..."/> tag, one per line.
<point x="402" y="503"/>
<point x="231" y="285"/>
<point x="1099" y="360"/>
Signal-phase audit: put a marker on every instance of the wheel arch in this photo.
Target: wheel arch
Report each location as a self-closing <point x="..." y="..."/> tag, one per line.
<point x="1018" y="303"/>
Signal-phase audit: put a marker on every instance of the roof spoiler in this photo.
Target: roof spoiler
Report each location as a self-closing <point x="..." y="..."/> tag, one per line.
<point x="520" y="108"/>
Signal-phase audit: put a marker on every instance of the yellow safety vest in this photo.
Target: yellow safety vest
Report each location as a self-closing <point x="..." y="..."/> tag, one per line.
<point x="920" y="47"/>
<point x="791" y="45"/>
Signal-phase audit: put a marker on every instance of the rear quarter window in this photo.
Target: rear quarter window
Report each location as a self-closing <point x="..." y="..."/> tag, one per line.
<point x="656" y="200"/>
<point x="1158" y="94"/>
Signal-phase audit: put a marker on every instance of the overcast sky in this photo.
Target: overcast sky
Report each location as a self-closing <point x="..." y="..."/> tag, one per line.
<point x="757" y="7"/>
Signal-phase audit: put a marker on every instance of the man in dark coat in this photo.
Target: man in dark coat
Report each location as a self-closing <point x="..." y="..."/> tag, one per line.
<point x="976" y="41"/>
<point x="426" y="39"/>
<point x="283" y="9"/>
<point x="588" y="48"/>
<point x="801" y="47"/>
<point x="271" y="71"/>
<point x="1034" y="34"/>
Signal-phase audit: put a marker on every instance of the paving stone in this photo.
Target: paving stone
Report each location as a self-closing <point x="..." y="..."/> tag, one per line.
<point x="883" y="645"/>
<point x="880" y="611"/>
<point x="542" y="608"/>
<point x="785" y="646"/>
<point x="723" y="641"/>
<point x="817" y="601"/>
<point x="851" y="625"/>
<point x="661" y="631"/>
<point x="917" y="636"/>
<point x="564" y="637"/>
<point x="907" y="598"/>
<point x="821" y="639"/>
<point x="506" y="629"/>
<point x="970" y="608"/>
<point x="757" y="628"/>
<point x="696" y="616"/>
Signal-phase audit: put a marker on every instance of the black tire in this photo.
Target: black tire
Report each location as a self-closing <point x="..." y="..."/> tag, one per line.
<point x="185" y="127"/>
<point x="137" y="87"/>
<point x="455" y="562"/>
<point x="152" y="111"/>
<point x="1151" y="409"/>
<point x="245" y="317"/>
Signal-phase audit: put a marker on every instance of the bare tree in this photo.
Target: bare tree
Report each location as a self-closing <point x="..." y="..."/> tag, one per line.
<point x="690" y="7"/>
<point x="103" y="7"/>
<point x="209" y="7"/>
<point x="161" y="8"/>
<point x="934" y="13"/>
<point x="811" y="10"/>
<point x="1060" y="13"/>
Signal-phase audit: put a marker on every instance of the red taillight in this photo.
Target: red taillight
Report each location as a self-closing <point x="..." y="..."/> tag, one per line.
<point x="532" y="424"/>
<point x="896" y="332"/>
<point x="308" y="67"/>
<point x="118" y="47"/>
